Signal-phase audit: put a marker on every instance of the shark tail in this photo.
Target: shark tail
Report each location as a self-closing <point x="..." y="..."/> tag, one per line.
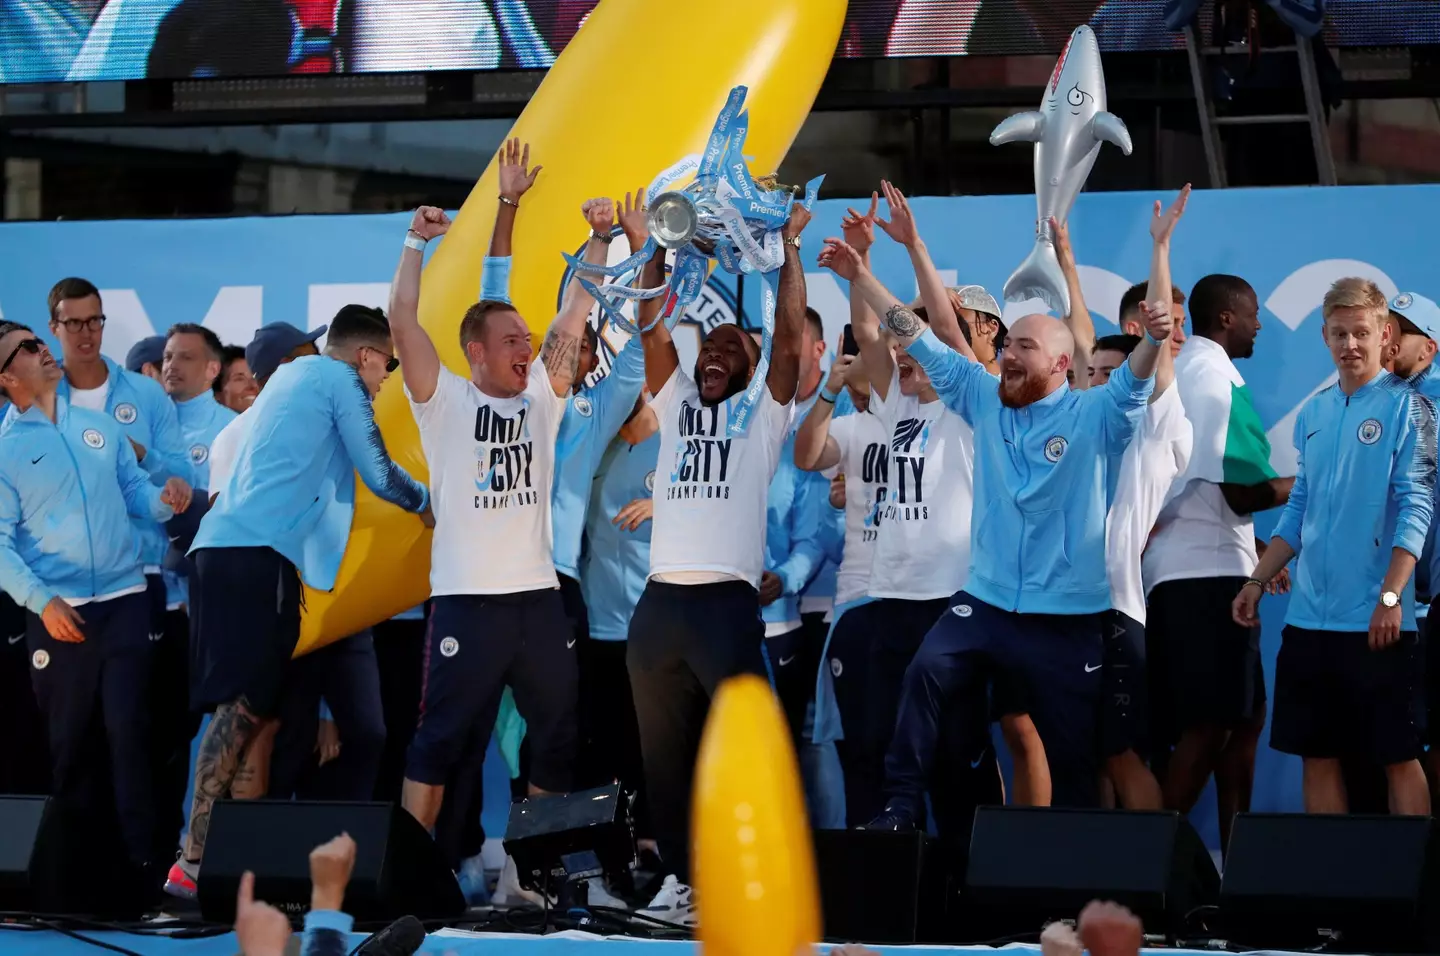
<point x="1040" y="277"/>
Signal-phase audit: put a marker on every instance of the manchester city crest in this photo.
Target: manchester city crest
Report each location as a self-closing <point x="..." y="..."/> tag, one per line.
<point x="650" y="482"/>
<point x="1054" y="448"/>
<point x="198" y="454"/>
<point x="125" y="413"/>
<point x="1370" y="430"/>
<point x="582" y="406"/>
<point x="93" y="438"/>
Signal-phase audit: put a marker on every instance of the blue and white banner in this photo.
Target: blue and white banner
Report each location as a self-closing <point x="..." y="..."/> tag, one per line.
<point x="1291" y="244"/>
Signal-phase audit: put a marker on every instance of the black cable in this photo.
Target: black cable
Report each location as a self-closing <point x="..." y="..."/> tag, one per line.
<point x="55" y="927"/>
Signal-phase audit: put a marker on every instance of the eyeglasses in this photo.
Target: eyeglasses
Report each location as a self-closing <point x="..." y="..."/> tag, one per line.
<point x="391" y="362"/>
<point x="33" y="346"/>
<point x="92" y="324"/>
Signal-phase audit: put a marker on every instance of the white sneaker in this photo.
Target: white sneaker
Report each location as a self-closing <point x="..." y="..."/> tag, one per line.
<point x="675" y="903"/>
<point x="509" y="892"/>
<point x="600" y="895"/>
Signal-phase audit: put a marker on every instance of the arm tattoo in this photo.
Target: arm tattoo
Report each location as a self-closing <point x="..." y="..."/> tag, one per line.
<point x="903" y="322"/>
<point x="560" y="354"/>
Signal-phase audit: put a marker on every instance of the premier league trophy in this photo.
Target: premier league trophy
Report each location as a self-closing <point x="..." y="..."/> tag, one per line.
<point x="721" y="213"/>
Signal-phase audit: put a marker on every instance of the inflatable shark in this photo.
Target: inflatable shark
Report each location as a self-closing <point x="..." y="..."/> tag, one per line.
<point x="1067" y="132"/>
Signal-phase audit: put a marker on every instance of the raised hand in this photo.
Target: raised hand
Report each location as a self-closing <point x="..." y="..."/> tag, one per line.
<point x="901" y="224"/>
<point x="799" y="219"/>
<point x="1159" y="320"/>
<point x="600" y="214"/>
<point x="429" y="222"/>
<point x="841" y="258"/>
<point x="858" y="230"/>
<point x="633" y="218"/>
<point x="330" y="867"/>
<point x="1063" y="250"/>
<point x="839" y="371"/>
<point x="260" y="929"/>
<point x="516" y="177"/>
<point x="1162" y="224"/>
<point x="1109" y="929"/>
<point x="1059" y="939"/>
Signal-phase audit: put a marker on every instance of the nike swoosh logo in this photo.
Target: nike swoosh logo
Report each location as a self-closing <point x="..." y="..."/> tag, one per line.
<point x="786" y="660"/>
<point x="975" y="764"/>
<point x="1091" y="670"/>
<point x="36" y="461"/>
<point x="16" y="639"/>
<point x="1312" y="434"/>
<point x="570" y="643"/>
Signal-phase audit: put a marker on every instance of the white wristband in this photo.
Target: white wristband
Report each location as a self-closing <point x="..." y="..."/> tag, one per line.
<point x="413" y="241"/>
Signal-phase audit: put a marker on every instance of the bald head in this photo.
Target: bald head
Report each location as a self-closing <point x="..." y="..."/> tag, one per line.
<point x="1049" y="333"/>
<point x="1038" y="352"/>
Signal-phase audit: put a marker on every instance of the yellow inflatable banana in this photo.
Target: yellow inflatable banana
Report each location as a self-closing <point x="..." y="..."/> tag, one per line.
<point x="753" y="866"/>
<point x="636" y="89"/>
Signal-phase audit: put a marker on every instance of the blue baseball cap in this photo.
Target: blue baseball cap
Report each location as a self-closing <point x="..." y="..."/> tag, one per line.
<point x="1417" y="315"/>
<point x="148" y="350"/>
<point x="273" y="343"/>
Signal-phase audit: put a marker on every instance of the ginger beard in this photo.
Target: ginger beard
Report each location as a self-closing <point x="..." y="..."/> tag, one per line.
<point x="1022" y="383"/>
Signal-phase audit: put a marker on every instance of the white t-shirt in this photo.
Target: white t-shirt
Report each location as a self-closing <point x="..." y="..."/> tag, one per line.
<point x="91" y="398"/>
<point x="711" y="487"/>
<point x="924" y="548"/>
<point x="1152" y="461"/>
<point x="224" y="447"/>
<point x="864" y="456"/>
<point x="491" y="463"/>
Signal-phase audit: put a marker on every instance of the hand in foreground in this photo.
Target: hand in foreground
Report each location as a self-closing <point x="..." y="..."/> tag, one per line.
<point x="63" y="622"/>
<point x="859" y="230"/>
<point x="636" y="513"/>
<point x="1059" y="939"/>
<point x="429" y="222"/>
<point x="1245" y="609"/>
<point x="634" y="219"/>
<point x="1162" y="224"/>
<point x="176" y="494"/>
<point x="330" y="867"/>
<point x="1109" y="929"/>
<point x="260" y="928"/>
<point x="1384" y="627"/>
<point x="600" y="214"/>
<point x="770" y="588"/>
<point x="901" y="225"/>
<point x="841" y="258"/>
<point x="515" y="176"/>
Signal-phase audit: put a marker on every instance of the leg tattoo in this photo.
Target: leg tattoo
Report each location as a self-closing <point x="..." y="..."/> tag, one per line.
<point x="221" y="752"/>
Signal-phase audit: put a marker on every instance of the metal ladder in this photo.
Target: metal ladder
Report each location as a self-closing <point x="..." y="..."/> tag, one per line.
<point x="1210" y="123"/>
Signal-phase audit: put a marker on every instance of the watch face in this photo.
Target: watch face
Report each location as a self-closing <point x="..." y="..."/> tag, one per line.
<point x="1389" y="599"/>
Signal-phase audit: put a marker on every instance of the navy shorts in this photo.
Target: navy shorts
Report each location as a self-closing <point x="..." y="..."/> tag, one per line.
<point x="1204" y="669"/>
<point x="475" y="646"/>
<point x="1125" y="701"/>
<point x="1335" y="697"/>
<point x="244" y="625"/>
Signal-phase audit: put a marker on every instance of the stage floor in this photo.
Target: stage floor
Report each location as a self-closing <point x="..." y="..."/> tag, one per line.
<point x="447" y="943"/>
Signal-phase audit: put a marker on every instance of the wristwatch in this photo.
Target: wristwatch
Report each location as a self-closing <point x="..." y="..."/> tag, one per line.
<point x="1389" y="599"/>
<point x="792" y="241"/>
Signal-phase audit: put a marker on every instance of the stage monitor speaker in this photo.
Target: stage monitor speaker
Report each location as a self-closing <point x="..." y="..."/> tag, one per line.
<point x="42" y="846"/>
<point x="878" y="886"/>
<point x="1305" y="880"/>
<point x="1030" y="866"/>
<point x="398" y="869"/>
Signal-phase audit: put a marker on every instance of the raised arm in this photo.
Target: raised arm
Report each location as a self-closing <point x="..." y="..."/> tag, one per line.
<point x="355" y="421"/>
<point x="901" y="227"/>
<point x="614" y="395"/>
<point x="515" y="180"/>
<point x="419" y="362"/>
<point x="1081" y="323"/>
<point x="1157" y="286"/>
<point x="784" y="375"/>
<point x="878" y="363"/>
<point x="661" y="358"/>
<point x="815" y="449"/>
<point x="560" y="353"/>
<point x="1146" y="355"/>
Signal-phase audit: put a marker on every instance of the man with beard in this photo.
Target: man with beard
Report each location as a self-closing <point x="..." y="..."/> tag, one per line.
<point x="698" y="620"/>
<point x="1207" y="689"/>
<point x="1029" y="615"/>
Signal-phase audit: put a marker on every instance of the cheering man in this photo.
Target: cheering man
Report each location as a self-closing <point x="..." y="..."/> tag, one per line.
<point x="489" y="440"/>
<point x="1041" y="481"/>
<point x="282" y="515"/>
<point x="698" y="620"/>
<point x="1357" y="517"/>
<point x="68" y="556"/>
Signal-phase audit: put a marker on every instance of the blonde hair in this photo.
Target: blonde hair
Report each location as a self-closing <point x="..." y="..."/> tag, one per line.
<point x="1356" y="293"/>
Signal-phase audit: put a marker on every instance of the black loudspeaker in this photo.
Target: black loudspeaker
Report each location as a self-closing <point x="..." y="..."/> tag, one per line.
<point x="1030" y="866"/>
<point x="24" y="854"/>
<point x="878" y="886"/>
<point x="1351" y="881"/>
<point x="398" y="869"/>
<point x="43" y="846"/>
<point x="570" y="837"/>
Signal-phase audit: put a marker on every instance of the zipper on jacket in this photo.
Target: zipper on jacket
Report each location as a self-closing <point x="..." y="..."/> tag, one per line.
<point x="1024" y="519"/>
<point x="84" y="510"/>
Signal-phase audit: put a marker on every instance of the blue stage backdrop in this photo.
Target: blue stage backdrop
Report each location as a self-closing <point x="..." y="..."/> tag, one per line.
<point x="1290" y="244"/>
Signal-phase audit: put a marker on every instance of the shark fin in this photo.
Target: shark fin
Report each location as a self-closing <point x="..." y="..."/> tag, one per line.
<point x="1020" y="128"/>
<point x="1040" y="277"/>
<point x="1109" y="128"/>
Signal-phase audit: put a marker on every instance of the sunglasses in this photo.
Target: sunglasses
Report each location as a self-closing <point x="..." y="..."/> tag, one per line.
<point x="391" y="362"/>
<point x="33" y="346"/>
